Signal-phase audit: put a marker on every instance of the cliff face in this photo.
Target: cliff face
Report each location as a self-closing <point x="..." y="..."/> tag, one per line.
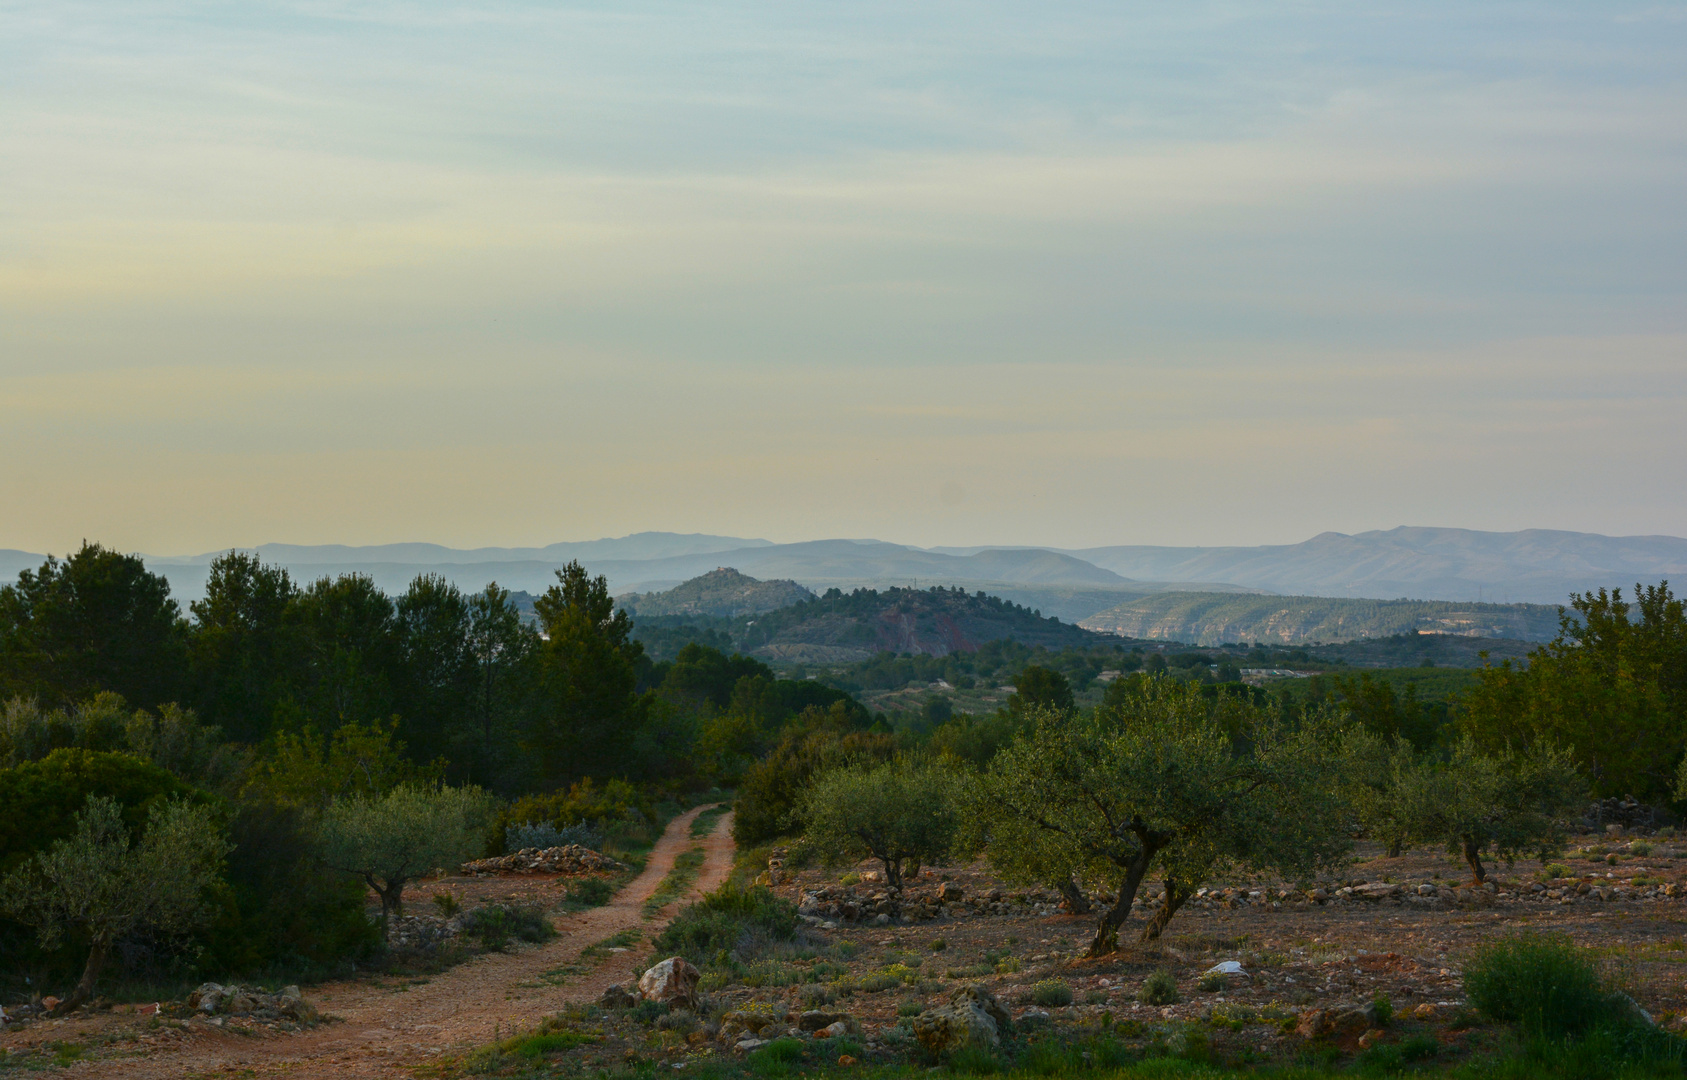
<point x="1211" y="618"/>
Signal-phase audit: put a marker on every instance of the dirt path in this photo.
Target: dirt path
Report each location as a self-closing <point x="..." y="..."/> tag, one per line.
<point x="386" y="1030"/>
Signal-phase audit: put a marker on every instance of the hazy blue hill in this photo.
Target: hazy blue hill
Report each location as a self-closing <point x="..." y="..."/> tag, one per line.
<point x="1211" y="618"/>
<point x="722" y="593"/>
<point x="849" y="563"/>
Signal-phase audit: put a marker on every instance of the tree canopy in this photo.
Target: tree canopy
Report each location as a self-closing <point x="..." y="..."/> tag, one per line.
<point x="1169" y="781"/>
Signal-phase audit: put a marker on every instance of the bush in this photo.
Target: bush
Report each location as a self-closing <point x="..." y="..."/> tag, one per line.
<point x="1641" y="848"/>
<point x="618" y="809"/>
<point x="716" y="923"/>
<point x="591" y="891"/>
<point x="546" y="835"/>
<point x="496" y="924"/>
<point x="283" y="915"/>
<point x="823" y="741"/>
<point x="1212" y="982"/>
<point x="1051" y="994"/>
<point x="1543" y="983"/>
<point x="1159" y="989"/>
<point x="1382" y="1011"/>
<point x="39" y="800"/>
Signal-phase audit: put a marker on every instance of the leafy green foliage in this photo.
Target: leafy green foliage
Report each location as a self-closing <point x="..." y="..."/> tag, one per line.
<point x="100" y="885"/>
<point x="389" y="839"/>
<point x="1051" y="994"/>
<point x="901" y="813"/>
<point x="172" y="739"/>
<point x="96" y="621"/>
<point x="717" y="923"/>
<point x="1542" y="983"/>
<point x="1611" y="689"/>
<point x="1040" y="689"/>
<point x="40" y="801"/>
<point x="1169" y="780"/>
<point x="1159" y="988"/>
<point x="588" y="671"/>
<point x="1508" y="801"/>
<point x="818" y="742"/>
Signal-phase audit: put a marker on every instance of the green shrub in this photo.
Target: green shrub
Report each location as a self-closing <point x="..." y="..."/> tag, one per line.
<point x="1641" y="848"/>
<point x="496" y="924"/>
<point x="591" y="891"/>
<point x="1543" y="983"/>
<point x="1382" y="1011"/>
<point x="446" y="904"/>
<point x="821" y="740"/>
<point x="1095" y="997"/>
<point x="39" y="800"/>
<point x="938" y="944"/>
<point x="1554" y="871"/>
<point x="1051" y="994"/>
<point x="909" y="1008"/>
<point x="1159" y="989"/>
<point x="1212" y="982"/>
<point x="716" y="923"/>
<point x="619" y="808"/>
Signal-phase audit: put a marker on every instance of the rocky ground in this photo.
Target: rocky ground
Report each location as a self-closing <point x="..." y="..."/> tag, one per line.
<point x="1307" y="965"/>
<point x="870" y="975"/>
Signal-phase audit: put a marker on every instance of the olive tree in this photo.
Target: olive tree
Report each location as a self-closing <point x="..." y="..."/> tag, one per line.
<point x="1510" y="801"/>
<point x="389" y="840"/>
<point x="1164" y="780"/>
<point x="100" y="885"/>
<point x="901" y="813"/>
<point x="1370" y="771"/>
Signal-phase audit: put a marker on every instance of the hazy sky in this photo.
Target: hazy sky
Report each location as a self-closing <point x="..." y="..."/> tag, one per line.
<point x="937" y="273"/>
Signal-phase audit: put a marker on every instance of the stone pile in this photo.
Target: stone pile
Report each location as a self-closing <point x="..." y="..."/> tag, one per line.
<point x="875" y="906"/>
<point x="423" y="933"/>
<point x="1628" y="813"/>
<point x="571" y="859"/>
<point x="215" y="999"/>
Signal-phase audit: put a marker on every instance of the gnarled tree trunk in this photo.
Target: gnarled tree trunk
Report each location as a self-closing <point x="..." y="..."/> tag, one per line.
<point x="98" y="951"/>
<point x="1473" y="856"/>
<point x="1076" y="902"/>
<point x="1177" y="893"/>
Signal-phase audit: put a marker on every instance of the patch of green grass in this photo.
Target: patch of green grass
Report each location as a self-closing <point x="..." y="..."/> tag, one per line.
<point x="621" y="939"/>
<point x="704" y="824"/>
<point x="679" y="880"/>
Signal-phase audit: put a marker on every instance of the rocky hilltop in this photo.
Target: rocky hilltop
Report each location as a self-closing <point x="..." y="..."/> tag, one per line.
<point x="842" y="627"/>
<point x="722" y="593"/>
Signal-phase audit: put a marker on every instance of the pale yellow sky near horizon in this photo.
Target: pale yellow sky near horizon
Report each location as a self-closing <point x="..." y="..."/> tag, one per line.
<point x="323" y="274"/>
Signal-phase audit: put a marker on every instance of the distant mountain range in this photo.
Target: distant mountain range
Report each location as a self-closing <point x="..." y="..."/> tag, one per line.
<point x="1537" y="566"/>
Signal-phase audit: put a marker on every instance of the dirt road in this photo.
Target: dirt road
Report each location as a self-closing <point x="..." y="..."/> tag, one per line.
<point x="384" y="1028"/>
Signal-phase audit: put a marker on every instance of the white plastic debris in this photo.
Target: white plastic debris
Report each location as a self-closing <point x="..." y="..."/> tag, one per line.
<point x="1227" y="967"/>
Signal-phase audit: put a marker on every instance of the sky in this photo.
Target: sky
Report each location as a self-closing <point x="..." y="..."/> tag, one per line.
<point x="1075" y="274"/>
